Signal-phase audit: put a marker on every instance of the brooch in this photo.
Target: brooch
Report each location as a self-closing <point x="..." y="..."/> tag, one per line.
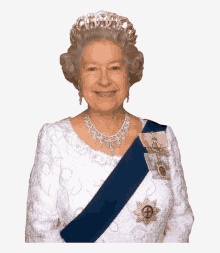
<point x="157" y="152"/>
<point x="146" y="211"/>
<point x="155" y="142"/>
<point x="158" y="165"/>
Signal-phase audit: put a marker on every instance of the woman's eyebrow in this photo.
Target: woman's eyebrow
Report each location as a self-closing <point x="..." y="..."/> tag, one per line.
<point x="94" y="63"/>
<point x="88" y="62"/>
<point x="119" y="60"/>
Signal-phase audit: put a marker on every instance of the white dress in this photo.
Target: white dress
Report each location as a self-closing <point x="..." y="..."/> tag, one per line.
<point x="66" y="175"/>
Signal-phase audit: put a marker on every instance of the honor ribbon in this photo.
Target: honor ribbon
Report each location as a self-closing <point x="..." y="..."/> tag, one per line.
<point x="112" y="196"/>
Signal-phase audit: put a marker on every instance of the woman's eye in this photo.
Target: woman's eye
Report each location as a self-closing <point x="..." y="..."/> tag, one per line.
<point x="92" y="69"/>
<point x="115" y="67"/>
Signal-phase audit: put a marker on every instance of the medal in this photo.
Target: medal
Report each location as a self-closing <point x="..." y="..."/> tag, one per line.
<point x="146" y="211"/>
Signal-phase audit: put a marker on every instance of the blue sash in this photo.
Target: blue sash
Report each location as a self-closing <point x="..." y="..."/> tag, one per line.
<point x="112" y="196"/>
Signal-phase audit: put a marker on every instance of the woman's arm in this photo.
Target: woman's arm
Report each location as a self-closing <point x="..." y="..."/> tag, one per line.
<point x="181" y="219"/>
<point x="42" y="224"/>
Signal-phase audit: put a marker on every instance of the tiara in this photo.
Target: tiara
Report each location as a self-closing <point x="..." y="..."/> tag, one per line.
<point x="106" y="20"/>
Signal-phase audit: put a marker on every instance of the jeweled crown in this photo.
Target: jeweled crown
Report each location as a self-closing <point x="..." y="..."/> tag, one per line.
<point x="106" y="20"/>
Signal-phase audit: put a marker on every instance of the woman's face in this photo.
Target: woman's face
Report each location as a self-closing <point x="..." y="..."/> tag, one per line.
<point x="103" y="75"/>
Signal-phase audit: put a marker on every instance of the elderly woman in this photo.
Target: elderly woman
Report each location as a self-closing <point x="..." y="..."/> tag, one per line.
<point x="106" y="175"/>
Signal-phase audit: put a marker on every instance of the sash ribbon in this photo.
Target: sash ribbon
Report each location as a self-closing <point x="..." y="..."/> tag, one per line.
<point x="112" y="196"/>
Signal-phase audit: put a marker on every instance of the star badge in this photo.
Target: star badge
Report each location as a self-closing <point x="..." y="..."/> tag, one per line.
<point x="146" y="211"/>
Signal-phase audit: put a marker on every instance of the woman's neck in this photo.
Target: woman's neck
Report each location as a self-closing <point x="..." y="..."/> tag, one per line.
<point x="107" y="122"/>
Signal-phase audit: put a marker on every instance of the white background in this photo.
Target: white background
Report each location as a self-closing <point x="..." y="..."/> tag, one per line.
<point x="180" y="88"/>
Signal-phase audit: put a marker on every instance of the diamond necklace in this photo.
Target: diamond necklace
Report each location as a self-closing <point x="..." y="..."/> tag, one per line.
<point x="109" y="140"/>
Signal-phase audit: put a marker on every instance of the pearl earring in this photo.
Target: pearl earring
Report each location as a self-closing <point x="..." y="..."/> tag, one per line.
<point x="80" y="93"/>
<point x="128" y="89"/>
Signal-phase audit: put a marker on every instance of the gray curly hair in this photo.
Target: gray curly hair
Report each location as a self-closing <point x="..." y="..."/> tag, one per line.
<point x="81" y="37"/>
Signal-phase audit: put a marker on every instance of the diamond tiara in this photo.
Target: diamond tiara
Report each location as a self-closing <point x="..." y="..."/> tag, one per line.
<point x="106" y="20"/>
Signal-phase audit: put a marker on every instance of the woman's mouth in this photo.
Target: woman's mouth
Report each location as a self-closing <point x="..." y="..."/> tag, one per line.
<point x="105" y="94"/>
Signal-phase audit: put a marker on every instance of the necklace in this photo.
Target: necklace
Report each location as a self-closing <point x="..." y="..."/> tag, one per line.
<point x="109" y="140"/>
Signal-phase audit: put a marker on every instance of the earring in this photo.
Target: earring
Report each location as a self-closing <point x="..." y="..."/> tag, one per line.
<point x="128" y="89"/>
<point x="80" y="93"/>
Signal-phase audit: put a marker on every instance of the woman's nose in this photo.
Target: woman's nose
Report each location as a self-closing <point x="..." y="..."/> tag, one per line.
<point x="104" y="77"/>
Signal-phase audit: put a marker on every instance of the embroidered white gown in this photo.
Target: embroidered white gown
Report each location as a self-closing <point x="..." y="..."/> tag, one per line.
<point x="66" y="175"/>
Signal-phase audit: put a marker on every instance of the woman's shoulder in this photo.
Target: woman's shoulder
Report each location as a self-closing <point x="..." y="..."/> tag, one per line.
<point x="56" y="127"/>
<point x="160" y="127"/>
<point x="62" y="127"/>
<point x="156" y="126"/>
<point x="150" y="123"/>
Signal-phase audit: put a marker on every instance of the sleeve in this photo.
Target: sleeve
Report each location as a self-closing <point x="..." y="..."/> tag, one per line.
<point x="181" y="218"/>
<point x="42" y="221"/>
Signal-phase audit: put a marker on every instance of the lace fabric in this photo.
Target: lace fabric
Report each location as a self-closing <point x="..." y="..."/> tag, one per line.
<point x="67" y="173"/>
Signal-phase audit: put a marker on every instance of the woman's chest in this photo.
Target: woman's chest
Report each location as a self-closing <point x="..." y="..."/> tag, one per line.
<point x="79" y="184"/>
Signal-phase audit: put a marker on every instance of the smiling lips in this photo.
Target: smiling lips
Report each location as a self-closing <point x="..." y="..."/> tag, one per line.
<point x="105" y="93"/>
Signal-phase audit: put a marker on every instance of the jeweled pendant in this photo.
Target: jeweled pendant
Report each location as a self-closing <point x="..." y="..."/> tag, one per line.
<point x="109" y="140"/>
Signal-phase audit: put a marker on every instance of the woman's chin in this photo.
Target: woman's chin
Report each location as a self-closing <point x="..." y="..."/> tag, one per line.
<point x="106" y="106"/>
